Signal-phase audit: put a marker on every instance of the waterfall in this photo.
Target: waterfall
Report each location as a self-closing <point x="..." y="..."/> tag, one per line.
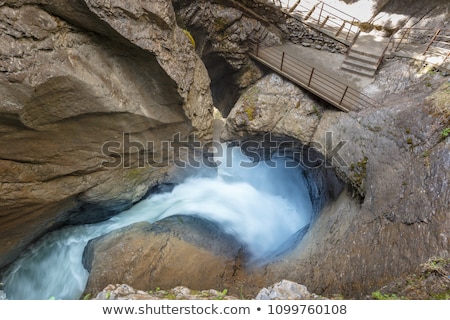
<point x="261" y="204"/>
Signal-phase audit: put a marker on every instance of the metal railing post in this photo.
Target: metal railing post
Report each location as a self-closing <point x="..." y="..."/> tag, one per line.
<point x="282" y="60"/>
<point x="324" y="22"/>
<point x="310" y="77"/>
<point x="407" y="31"/>
<point x="310" y="12"/>
<point x="432" y="40"/>
<point x="350" y="29"/>
<point x="445" y="59"/>
<point x="340" y="29"/>
<point x="320" y="14"/>
<point x="342" y="99"/>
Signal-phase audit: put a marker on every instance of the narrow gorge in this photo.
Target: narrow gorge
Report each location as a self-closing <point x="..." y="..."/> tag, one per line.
<point x="142" y="145"/>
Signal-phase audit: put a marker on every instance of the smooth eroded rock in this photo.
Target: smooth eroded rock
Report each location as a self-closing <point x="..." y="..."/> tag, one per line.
<point x="179" y="250"/>
<point x="91" y="91"/>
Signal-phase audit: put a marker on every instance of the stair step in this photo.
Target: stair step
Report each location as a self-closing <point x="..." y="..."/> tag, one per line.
<point x="357" y="70"/>
<point x="361" y="64"/>
<point x="364" y="53"/>
<point x="362" y="57"/>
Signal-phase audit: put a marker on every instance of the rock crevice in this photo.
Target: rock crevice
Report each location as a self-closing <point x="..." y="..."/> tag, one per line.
<point x="89" y="95"/>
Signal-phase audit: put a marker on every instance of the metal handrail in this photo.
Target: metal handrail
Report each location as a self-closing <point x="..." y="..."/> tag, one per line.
<point x="320" y="83"/>
<point x="408" y="33"/>
<point x="327" y="9"/>
<point x="438" y="39"/>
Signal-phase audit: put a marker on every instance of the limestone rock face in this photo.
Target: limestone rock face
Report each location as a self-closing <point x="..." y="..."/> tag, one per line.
<point x="403" y="219"/>
<point x="222" y="33"/>
<point x="395" y="161"/>
<point x="406" y="13"/>
<point x="179" y="250"/>
<point x="274" y="105"/>
<point x="90" y="89"/>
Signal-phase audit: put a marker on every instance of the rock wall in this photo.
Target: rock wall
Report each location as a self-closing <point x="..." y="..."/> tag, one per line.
<point x="395" y="161"/>
<point x="222" y="31"/>
<point x="396" y="14"/>
<point x="75" y="75"/>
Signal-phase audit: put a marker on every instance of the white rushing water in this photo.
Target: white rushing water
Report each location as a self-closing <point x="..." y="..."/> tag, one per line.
<point x="261" y="206"/>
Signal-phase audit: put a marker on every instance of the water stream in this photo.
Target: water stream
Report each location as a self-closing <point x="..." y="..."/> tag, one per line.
<point x="262" y="206"/>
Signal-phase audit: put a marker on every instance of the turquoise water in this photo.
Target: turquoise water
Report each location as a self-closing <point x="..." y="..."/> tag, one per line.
<point x="262" y="207"/>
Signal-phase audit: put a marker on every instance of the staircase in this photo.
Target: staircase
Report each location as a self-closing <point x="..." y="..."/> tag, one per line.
<point x="365" y="55"/>
<point x="362" y="63"/>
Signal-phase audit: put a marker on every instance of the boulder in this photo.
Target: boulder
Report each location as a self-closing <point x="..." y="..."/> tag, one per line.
<point x="285" y="290"/>
<point x="125" y="292"/>
<point x="273" y="105"/>
<point x="179" y="250"/>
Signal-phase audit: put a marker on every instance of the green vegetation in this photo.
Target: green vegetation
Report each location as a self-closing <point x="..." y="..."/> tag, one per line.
<point x="87" y="297"/>
<point x="445" y="133"/>
<point x="108" y="295"/>
<point x="249" y="102"/>
<point x="439" y="103"/>
<point x="430" y="281"/>
<point x="222" y="294"/>
<point x="135" y="174"/>
<point x="250" y="111"/>
<point x="377" y="295"/>
<point x="435" y="265"/>
<point x="315" y="110"/>
<point x="441" y="296"/>
<point x="190" y="37"/>
<point x="359" y="170"/>
<point x="170" y="296"/>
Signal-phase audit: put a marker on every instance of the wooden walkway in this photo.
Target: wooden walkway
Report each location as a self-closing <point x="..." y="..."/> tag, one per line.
<point x="310" y="78"/>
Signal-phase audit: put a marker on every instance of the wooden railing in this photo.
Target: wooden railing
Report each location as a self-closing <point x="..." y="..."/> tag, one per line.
<point x="312" y="79"/>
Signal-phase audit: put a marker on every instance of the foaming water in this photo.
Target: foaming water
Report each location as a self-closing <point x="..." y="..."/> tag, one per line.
<point x="262" y="206"/>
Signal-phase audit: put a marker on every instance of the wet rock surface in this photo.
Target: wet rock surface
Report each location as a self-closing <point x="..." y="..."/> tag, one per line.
<point x="75" y="76"/>
<point x="394" y="214"/>
<point x="179" y="250"/>
<point x="274" y="105"/>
